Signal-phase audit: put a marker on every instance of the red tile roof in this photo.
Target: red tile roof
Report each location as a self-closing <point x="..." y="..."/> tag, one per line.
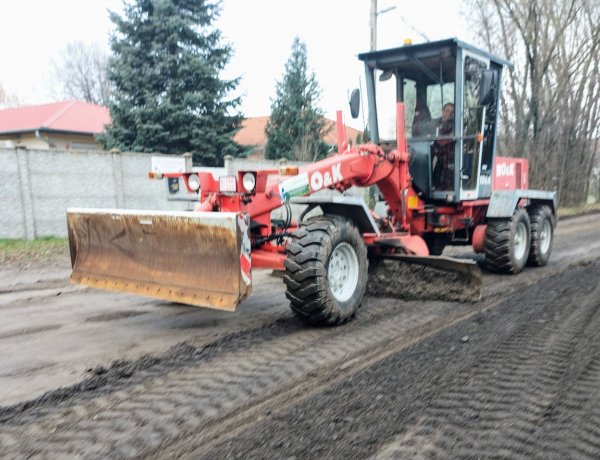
<point x="67" y="116"/>
<point x="331" y="135"/>
<point x="252" y="132"/>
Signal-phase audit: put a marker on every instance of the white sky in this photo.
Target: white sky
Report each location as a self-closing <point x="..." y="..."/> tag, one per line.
<point x="33" y="32"/>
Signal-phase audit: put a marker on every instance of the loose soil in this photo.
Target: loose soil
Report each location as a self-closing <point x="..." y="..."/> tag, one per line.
<point x="95" y="374"/>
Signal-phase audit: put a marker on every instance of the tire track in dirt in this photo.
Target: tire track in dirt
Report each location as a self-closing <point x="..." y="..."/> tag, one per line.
<point x="154" y="404"/>
<point x="514" y="404"/>
<point x="509" y="388"/>
<point x="35" y="286"/>
<point x="129" y="419"/>
<point x="22" y="297"/>
<point x="29" y="330"/>
<point x="133" y="420"/>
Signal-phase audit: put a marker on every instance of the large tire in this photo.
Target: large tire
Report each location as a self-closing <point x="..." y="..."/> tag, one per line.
<point x="542" y="234"/>
<point x="326" y="271"/>
<point x="507" y="243"/>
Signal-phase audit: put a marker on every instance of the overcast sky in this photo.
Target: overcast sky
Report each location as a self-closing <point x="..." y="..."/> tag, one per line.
<point x="33" y="32"/>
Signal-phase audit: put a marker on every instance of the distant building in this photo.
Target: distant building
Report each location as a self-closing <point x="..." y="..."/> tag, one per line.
<point x="73" y="125"/>
<point x="67" y="125"/>
<point x="252" y="134"/>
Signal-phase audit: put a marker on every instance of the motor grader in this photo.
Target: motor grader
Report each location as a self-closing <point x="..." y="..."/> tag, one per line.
<point x="438" y="177"/>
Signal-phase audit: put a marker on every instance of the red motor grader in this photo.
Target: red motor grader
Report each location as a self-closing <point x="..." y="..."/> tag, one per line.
<point x="438" y="176"/>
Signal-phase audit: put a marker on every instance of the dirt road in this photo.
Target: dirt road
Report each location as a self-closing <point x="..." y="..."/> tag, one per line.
<point x="97" y="375"/>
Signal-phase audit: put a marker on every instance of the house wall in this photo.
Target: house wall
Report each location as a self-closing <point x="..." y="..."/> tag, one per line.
<point x="26" y="140"/>
<point x="46" y="141"/>
<point x="39" y="185"/>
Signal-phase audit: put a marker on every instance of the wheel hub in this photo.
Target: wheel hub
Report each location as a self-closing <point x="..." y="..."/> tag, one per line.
<point x="545" y="236"/>
<point x="342" y="272"/>
<point x="520" y="241"/>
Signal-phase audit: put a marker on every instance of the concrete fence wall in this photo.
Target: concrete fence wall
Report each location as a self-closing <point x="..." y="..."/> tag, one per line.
<point x="39" y="185"/>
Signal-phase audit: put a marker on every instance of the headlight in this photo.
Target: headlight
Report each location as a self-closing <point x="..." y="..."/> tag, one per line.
<point x="193" y="182"/>
<point x="249" y="182"/>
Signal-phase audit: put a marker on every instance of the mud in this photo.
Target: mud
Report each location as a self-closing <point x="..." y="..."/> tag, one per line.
<point x="412" y="281"/>
<point x="513" y="375"/>
<point x="121" y="374"/>
<point x="29" y="330"/>
<point x="517" y="380"/>
<point x="113" y="316"/>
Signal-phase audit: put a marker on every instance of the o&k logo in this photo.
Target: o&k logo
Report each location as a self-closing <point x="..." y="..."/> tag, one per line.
<point x="318" y="180"/>
<point x="504" y="169"/>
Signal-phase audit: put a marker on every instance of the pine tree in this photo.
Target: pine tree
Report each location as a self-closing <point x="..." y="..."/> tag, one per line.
<point x="168" y="95"/>
<point x="296" y="126"/>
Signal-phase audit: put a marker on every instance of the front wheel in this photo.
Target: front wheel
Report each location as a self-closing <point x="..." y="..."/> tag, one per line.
<point x="507" y="243"/>
<point x="326" y="271"/>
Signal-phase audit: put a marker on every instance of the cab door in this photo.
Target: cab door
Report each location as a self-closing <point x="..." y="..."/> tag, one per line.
<point x="474" y="119"/>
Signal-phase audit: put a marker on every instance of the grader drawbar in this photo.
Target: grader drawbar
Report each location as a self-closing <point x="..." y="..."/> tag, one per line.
<point x="440" y="183"/>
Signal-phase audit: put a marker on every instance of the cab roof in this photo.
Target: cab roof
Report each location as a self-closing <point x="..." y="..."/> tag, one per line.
<point x="391" y="57"/>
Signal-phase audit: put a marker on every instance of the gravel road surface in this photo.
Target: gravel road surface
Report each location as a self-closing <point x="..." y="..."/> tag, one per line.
<point x="90" y="374"/>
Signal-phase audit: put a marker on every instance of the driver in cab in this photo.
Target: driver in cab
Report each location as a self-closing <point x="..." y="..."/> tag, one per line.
<point x="442" y="158"/>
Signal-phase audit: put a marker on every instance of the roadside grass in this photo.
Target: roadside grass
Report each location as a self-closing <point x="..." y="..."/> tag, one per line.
<point x="578" y="210"/>
<point x="25" y="253"/>
<point x="52" y="250"/>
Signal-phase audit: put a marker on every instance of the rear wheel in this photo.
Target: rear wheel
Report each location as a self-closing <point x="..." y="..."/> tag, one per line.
<point x="326" y="271"/>
<point x="542" y="233"/>
<point x="507" y="243"/>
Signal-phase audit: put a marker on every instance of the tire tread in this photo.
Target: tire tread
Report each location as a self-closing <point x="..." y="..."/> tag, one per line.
<point x="306" y="270"/>
<point x="498" y="246"/>
<point x="537" y="215"/>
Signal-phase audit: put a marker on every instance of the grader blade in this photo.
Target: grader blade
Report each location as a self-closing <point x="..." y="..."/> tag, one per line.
<point x="413" y="277"/>
<point x="194" y="258"/>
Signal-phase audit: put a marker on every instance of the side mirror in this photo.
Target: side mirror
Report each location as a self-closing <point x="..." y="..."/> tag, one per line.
<point x="355" y="103"/>
<point x="488" y="86"/>
<point x="386" y="75"/>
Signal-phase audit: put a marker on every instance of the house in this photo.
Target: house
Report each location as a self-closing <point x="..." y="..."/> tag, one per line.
<point x="72" y="125"/>
<point x="60" y="125"/>
<point x="252" y="134"/>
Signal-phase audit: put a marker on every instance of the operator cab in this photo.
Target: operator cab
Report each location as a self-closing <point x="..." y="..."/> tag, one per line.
<point x="450" y="92"/>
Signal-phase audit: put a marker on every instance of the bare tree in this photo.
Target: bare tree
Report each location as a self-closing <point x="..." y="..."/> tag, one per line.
<point x="8" y="99"/>
<point x="551" y="110"/>
<point x="82" y="73"/>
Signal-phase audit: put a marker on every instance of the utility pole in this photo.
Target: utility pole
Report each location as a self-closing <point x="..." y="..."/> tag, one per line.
<point x="373" y="22"/>
<point x="373" y="25"/>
